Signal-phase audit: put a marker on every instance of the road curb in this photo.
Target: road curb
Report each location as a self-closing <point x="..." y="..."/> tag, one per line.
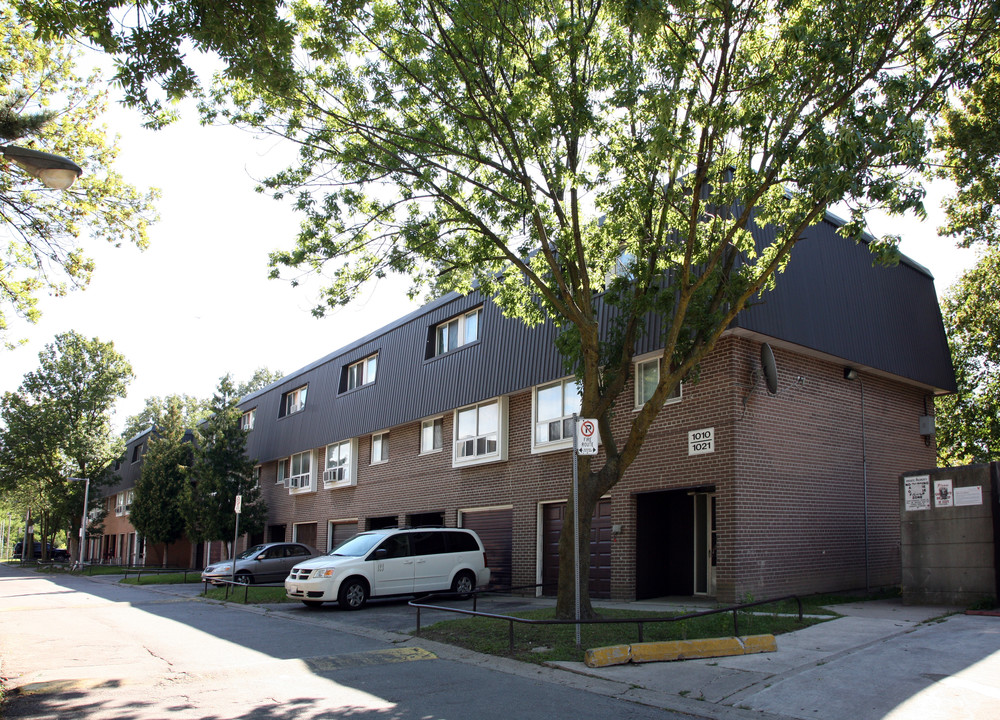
<point x="669" y="650"/>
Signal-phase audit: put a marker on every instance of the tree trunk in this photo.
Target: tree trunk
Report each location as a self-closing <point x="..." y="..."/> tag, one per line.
<point x="45" y="538"/>
<point x="164" y="554"/>
<point x="566" y="597"/>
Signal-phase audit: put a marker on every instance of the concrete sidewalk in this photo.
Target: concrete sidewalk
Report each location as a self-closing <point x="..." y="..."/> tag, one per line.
<point x="881" y="660"/>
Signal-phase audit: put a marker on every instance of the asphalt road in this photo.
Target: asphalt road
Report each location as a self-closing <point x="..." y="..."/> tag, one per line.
<point x="77" y="648"/>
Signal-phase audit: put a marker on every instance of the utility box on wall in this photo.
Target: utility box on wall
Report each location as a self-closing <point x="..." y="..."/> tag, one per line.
<point x="950" y="530"/>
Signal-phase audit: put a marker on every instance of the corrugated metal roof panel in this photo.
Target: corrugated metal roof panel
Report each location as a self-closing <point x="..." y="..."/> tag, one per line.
<point x="830" y="299"/>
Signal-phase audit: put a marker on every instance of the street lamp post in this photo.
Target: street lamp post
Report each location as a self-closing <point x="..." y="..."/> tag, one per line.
<point x="83" y="520"/>
<point x="54" y="171"/>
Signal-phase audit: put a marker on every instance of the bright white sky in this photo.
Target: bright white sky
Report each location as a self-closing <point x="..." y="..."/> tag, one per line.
<point x="198" y="303"/>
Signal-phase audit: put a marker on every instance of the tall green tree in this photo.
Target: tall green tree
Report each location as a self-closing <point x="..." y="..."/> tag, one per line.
<point x="154" y="413"/>
<point x="261" y="378"/>
<point x="970" y="142"/>
<point x="221" y="470"/>
<point x="47" y="105"/>
<point x="550" y="153"/>
<point x="157" y="512"/>
<point x="57" y="425"/>
<point x="152" y="41"/>
<point x="31" y="464"/>
<point x="968" y="422"/>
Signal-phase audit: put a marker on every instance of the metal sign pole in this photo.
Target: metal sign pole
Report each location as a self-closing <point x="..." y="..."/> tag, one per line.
<point x="576" y="530"/>
<point x="236" y="534"/>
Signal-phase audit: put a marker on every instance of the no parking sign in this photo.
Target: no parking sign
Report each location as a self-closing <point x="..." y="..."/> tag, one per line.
<point x="588" y="437"/>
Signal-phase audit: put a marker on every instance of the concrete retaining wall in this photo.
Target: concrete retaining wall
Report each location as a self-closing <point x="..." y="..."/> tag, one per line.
<point x="949" y="535"/>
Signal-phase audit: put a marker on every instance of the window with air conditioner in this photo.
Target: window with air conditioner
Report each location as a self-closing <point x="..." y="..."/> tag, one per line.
<point x="293" y="401"/>
<point x="295" y="472"/>
<point x="341" y="464"/>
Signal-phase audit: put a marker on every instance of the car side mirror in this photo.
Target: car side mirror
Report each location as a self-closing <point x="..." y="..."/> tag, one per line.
<point x="381" y="554"/>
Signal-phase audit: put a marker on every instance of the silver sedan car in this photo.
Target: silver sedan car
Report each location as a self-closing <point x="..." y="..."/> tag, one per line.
<point x="265" y="563"/>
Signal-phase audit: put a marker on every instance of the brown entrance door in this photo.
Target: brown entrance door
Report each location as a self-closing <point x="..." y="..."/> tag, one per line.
<point x="600" y="548"/>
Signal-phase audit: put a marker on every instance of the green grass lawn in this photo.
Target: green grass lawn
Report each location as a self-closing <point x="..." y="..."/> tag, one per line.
<point x="162" y="578"/>
<point x="543" y="643"/>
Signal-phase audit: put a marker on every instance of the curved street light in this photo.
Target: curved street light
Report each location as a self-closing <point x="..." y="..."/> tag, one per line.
<point x="54" y="171"/>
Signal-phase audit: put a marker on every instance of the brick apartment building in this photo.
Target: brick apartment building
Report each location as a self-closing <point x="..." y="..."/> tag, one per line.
<point x="454" y="415"/>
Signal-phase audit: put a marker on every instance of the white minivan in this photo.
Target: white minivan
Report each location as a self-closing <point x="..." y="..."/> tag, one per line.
<point x="391" y="561"/>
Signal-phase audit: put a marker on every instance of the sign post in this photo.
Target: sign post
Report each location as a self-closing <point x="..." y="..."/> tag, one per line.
<point x="586" y="438"/>
<point x="238" y="509"/>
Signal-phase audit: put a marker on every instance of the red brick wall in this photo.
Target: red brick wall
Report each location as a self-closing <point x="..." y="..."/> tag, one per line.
<point x="787" y="471"/>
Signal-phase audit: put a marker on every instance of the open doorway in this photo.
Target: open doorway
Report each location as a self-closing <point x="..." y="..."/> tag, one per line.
<point x="675" y="543"/>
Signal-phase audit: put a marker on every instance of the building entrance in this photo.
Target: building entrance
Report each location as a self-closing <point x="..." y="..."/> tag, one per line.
<point x="675" y="543"/>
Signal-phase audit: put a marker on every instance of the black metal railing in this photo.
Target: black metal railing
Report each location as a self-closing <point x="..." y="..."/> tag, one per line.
<point x="234" y="586"/>
<point x="639" y="622"/>
<point x="138" y="572"/>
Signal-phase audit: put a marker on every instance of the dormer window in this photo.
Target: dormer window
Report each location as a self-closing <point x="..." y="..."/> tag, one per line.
<point x="360" y="373"/>
<point x="293" y="401"/>
<point x="455" y="333"/>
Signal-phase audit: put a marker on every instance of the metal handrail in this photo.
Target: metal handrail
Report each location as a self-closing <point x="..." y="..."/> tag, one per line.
<point x="237" y="584"/>
<point x="639" y="622"/>
<point x="138" y="571"/>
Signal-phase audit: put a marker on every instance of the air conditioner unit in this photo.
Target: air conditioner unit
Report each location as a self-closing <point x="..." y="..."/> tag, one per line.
<point x="333" y="475"/>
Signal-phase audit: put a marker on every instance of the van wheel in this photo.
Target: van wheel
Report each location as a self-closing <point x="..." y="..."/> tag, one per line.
<point x="353" y="594"/>
<point x="464" y="584"/>
<point x="312" y="604"/>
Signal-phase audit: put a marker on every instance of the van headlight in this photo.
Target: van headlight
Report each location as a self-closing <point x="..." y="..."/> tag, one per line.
<point x="325" y="572"/>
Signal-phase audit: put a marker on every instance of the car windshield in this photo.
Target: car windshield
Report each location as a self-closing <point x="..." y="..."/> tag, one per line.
<point x="250" y="552"/>
<point x="358" y="545"/>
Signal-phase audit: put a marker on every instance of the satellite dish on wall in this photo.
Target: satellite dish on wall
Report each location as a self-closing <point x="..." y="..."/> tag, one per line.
<point x="770" y="369"/>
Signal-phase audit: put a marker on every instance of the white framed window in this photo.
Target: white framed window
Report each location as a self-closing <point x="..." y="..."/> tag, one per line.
<point x="431" y="435"/>
<point x="137" y="453"/>
<point x="256" y="476"/>
<point x="481" y="433"/>
<point x="293" y="401"/>
<point x="362" y="372"/>
<point x="457" y="332"/>
<point x="295" y="472"/>
<point x="341" y="464"/>
<point x="129" y="499"/>
<point x="120" y="504"/>
<point x="553" y="407"/>
<point x="647" y="377"/>
<point x="380" y="448"/>
<point x="247" y="419"/>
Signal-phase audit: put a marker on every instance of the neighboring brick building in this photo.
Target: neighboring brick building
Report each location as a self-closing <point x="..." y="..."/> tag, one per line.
<point x="118" y="543"/>
<point x="798" y="492"/>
